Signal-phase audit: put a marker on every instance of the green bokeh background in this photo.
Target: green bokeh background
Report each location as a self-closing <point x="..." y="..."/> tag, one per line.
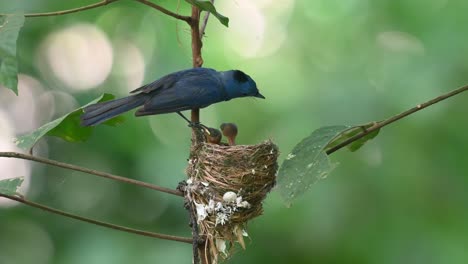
<point x="402" y="198"/>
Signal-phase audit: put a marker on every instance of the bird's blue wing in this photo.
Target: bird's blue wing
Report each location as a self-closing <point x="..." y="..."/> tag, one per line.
<point x="162" y="83"/>
<point x="166" y="82"/>
<point x="197" y="89"/>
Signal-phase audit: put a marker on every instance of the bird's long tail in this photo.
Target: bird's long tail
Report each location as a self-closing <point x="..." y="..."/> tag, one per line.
<point x="97" y="113"/>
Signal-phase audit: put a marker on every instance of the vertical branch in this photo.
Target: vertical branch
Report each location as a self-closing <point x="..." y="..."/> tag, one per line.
<point x="196" y="40"/>
<point x="197" y="59"/>
<point x="199" y="255"/>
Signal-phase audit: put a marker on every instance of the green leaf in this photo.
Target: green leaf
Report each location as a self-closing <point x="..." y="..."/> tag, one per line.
<point x="206" y="5"/>
<point x="307" y="163"/>
<point x="10" y="26"/>
<point x="351" y="132"/>
<point x="67" y="127"/>
<point x="11" y="186"/>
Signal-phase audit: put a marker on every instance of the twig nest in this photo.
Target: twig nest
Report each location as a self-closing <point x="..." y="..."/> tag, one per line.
<point x="227" y="185"/>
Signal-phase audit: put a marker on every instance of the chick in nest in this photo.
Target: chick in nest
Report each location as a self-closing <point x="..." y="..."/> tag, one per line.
<point x="229" y="131"/>
<point x="212" y="135"/>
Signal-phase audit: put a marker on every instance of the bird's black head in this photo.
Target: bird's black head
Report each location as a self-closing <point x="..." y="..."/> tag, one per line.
<point x="240" y="76"/>
<point x="239" y="84"/>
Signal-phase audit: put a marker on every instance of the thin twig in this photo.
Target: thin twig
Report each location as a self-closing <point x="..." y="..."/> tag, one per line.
<point x="69" y="11"/>
<point x="205" y="22"/>
<point x="99" y="223"/>
<point x="89" y="171"/>
<point x="165" y="11"/>
<point x="197" y="61"/>
<point x="392" y="119"/>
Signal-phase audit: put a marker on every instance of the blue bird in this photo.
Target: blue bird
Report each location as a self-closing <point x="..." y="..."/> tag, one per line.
<point x="183" y="90"/>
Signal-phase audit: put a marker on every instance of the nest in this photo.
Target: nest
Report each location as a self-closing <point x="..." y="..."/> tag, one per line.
<point x="227" y="185"/>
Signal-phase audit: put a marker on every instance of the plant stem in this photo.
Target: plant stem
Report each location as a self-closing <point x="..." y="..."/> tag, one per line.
<point x="395" y="118"/>
<point x="69" y="11"/>
<point x="165" y="11"/>
<point x="199" y="255"/>
<point x="89" y="171"/>
<point x="96" y="222"/>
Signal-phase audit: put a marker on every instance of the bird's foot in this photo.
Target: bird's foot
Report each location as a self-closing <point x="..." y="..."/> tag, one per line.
<point x="193" y="124"/>
<point x="197" y="125"/>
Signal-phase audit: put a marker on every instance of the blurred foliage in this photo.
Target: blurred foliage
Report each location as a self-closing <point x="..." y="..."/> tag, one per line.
<point x="9" y="30"/>
<point x="401" y="198"/>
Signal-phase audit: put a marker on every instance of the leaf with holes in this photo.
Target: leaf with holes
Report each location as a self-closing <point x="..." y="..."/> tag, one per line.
<point x="67" y="127"/>
<point x="207" y="6"/>
<point x="10" y="26"/>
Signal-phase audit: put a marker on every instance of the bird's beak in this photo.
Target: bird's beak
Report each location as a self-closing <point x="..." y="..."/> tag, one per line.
<point x="259" y="95"/>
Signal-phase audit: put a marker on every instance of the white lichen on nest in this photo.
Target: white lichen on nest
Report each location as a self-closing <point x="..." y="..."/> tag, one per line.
<point x="223" y="210"/>
<point x="227" y="186"/>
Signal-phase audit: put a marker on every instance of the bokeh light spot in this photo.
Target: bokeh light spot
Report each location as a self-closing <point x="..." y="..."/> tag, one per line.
<point x="22" y="108"/>
<point x="129" y="65"/>
<point x="397" y="41"/>
<point x="80" y="56"/>
<point x="257" y="29"/>
<point x="11" y="168"/>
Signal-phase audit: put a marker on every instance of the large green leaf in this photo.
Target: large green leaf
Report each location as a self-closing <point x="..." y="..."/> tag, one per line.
<point x="307" y="163"/>
<point x="11" y="186"/>
<point x="206" y="5"/>
<point x="66" y="127"/>
<point x="10" y="26"/>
